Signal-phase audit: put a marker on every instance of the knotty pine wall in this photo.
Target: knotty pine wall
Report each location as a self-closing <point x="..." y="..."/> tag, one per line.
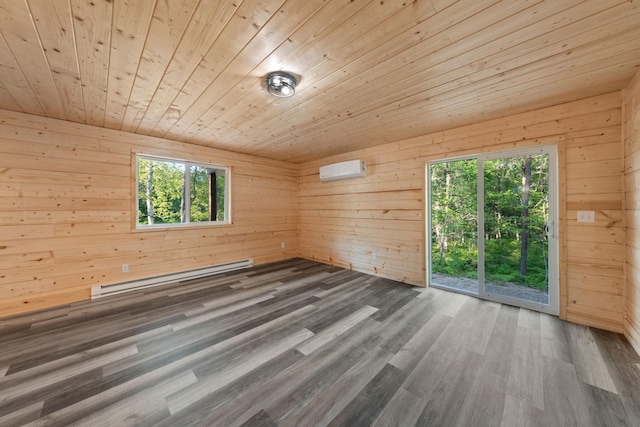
<point x="67" y="209"/>
<point x="631" y="134"/>
<point x="343" y="222"/>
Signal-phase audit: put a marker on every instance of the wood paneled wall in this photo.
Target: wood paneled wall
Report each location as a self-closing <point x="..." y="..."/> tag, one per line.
<point x="66" y="207"/>
<point x="631" y="134"/>
<point x="344" y="222"/>
<point x="66" y="212"/>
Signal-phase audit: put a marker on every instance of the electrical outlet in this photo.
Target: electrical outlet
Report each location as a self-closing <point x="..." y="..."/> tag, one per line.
<point x="282" y="245"/>
<point x="586" y="216"/>
<point x="125" y="268"/>
<point x="374" y="256"/>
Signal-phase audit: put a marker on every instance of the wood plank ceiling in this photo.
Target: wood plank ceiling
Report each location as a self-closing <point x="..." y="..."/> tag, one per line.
<point x="370" y="71"/>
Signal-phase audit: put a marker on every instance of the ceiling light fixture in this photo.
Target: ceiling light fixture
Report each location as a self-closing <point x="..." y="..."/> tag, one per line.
<point x="281" y="84"/>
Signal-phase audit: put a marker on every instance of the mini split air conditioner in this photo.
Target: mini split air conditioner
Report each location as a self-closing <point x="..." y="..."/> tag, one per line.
<point x="343" y="170"/>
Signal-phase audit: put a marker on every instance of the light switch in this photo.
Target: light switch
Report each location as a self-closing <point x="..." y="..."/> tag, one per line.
<point x="586" y="216"/>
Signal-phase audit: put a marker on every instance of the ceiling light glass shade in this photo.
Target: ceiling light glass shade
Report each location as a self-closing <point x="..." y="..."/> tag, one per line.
<point x="281" y="84"/>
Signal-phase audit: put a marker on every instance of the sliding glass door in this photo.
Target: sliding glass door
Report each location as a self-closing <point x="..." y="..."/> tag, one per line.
<point x="492" y="221"/>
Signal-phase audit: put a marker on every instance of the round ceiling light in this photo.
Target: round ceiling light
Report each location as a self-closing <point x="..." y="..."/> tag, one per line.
<point x="281" y="84"/>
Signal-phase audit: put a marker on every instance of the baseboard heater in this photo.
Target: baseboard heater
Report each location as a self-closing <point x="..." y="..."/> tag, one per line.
<point x="118" y="288"/>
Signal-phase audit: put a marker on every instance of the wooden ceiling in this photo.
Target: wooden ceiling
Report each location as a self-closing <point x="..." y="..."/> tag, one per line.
<point x="369" y="72"/>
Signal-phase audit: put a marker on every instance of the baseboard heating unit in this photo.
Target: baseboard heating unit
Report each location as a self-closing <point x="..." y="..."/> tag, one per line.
<point x="118" y="288"/>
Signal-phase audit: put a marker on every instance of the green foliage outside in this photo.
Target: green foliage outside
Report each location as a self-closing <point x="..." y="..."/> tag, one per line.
<point x="455" y="226"/>
<point x="199" y="194"/>
<point x="220" y="191"/>
<point x="164" y="196"/>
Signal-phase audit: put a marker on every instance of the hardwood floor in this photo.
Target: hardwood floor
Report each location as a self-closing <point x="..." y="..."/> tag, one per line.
<point x="298" y="343"/>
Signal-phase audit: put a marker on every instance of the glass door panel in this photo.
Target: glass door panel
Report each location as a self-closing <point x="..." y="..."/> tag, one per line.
<point x="454" y="226"/>
<point x="516" y="214"/>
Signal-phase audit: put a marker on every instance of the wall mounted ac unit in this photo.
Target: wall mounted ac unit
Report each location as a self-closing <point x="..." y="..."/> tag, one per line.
<point x="343" y="170"/>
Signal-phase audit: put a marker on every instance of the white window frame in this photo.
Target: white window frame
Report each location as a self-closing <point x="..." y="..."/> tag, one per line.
<point x="187" y="170"/>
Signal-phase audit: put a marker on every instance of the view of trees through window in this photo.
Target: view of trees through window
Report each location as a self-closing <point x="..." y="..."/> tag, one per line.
<point x="516" y="212"/>
<point x="174" y="192"/>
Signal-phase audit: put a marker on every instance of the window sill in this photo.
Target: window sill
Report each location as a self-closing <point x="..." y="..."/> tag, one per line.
<point x="171" y="227"/>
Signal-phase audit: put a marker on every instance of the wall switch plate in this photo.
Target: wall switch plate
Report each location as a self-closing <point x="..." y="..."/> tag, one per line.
<point x="282" y="245"/>
<point x="586" y="216"/>
<point x="374" y="256"/>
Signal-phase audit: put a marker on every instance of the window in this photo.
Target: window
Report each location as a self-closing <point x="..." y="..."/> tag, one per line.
<point x="178" y="193"/>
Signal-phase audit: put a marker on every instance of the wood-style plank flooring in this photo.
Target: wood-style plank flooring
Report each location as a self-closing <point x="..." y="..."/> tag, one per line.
<point x="298" y="343"/>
